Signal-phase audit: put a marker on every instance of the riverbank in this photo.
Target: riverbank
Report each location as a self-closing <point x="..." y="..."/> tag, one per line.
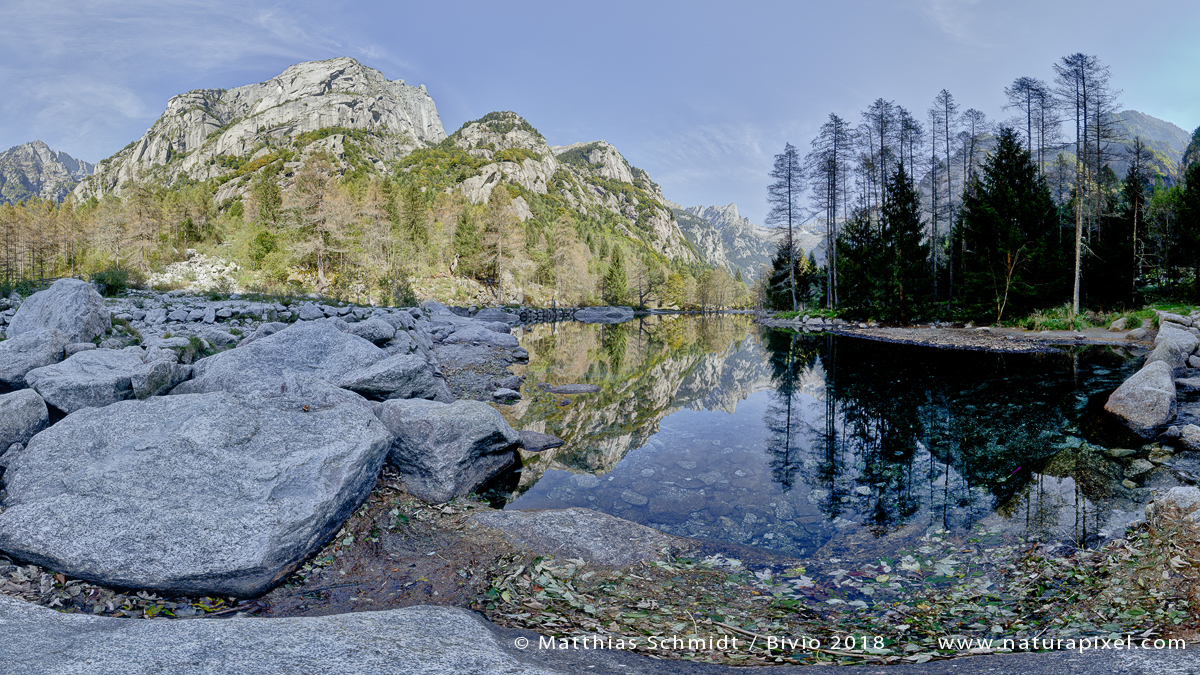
<point x="987" y="338"/>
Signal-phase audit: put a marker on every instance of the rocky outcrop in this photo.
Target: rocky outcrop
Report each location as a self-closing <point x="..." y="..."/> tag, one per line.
<point x="444" y="450"/>
<point x="209" y="494"/>
<point x="257" y="121"/>
<point x="22" y="414"/>
<point x="589" y="176"/>
<point x="33" y="170"/>
<point x="1145" y="401"/>
<point x="27" y="351"/>
<point x="70" y="305"/>
<point x="597" y="538"/>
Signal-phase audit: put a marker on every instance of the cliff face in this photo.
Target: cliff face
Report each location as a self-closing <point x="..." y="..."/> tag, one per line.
<point x="590" y="177"/>
<point x="723" y="237"/>
<point x="34" y="170"/>
<point x="216" y="133"/>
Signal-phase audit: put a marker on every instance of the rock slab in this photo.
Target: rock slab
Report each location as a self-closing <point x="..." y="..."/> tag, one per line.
<point x="70" y="305"/>
<point x="206" y="494"/>
<point x="447" y="450"/>
<point x="596" y="537"/>
<point x="420" y="640"/>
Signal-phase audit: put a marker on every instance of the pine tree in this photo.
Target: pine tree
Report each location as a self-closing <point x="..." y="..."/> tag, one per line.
<point x="1007" y="220"/>
<point x="616" y="282"/>
<point x="907" y="275"/>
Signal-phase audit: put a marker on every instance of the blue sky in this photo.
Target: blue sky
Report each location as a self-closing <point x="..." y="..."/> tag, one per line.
<point x="700" y="94"/>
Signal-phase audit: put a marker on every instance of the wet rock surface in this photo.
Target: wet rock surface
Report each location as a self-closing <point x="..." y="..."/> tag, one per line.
<point x="597" y="538"/>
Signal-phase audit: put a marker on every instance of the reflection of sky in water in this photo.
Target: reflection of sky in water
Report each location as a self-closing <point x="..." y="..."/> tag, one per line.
<point x="783" y="477"/>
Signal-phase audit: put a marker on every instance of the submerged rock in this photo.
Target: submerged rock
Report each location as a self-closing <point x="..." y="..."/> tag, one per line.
<point x="207" y="494"/>
<point x="70" y="305"/>
<point x="447" y="450"/>
<point x="1146" y="400"/>
<point x="596" y="537"/>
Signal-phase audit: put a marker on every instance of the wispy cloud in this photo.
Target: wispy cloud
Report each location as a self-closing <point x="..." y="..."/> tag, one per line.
<point x="954" y="18"/>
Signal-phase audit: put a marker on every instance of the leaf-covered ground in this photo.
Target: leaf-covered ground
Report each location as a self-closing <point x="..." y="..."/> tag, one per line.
<point x="917" y="606"/>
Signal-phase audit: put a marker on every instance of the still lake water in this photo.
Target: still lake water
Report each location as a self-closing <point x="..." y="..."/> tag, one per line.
<point x="814" y="445"/>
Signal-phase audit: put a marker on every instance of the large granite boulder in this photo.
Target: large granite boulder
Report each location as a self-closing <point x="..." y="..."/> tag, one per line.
<point x="474" y="333"/>
<point x="447" y="450"/>
<point x="1173" y="345"/>
<point x="207" y="494"/>
<point x="596" y="537"/>
<point x="22" y="414"/>
<point x="21" y="354"/>
<point x="316" y="349"/>
<point x="91" y="379"/>
<point x="400" y="376"/>
<point x="1145" y="401"/>
<point x="604" y="314"/>
<point x="70" y="305"/>
<point x="420" y="640"/>
<point x="374" y="330"/>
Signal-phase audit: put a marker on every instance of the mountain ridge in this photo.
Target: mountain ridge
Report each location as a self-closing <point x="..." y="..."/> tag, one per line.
<point x="34" y="169"/>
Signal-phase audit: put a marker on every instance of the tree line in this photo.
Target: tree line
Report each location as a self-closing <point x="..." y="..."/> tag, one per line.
<point x="954" y="216"/>
<point x="365" y="238"/>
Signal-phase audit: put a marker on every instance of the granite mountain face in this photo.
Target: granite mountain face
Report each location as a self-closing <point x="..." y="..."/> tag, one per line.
<point x="34" y="170"/>
<point x="723" y="237"/>
<point x="227" y="134"/>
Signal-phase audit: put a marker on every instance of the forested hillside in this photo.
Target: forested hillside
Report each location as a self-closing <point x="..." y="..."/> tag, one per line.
<point x="331" y="178"/>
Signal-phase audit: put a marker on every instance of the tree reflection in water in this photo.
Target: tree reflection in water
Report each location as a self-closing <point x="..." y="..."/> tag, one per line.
<point x="945" y="436"/>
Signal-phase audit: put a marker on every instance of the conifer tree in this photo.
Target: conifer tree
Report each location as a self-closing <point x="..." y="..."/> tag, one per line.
<point x="907" y="275"/>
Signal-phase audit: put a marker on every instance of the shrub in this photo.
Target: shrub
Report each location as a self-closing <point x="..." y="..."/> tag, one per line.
<point x="116" y="280"/>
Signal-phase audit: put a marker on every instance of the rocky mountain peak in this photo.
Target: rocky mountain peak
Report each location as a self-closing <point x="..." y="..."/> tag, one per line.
<point x="499" y="131"/>
<point x="599" y="157"/>
<point x="35" y="170"/>
<point x="228" y="133"/>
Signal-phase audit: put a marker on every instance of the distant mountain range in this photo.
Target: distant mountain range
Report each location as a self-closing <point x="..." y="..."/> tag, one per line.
<point x="34" y="170"/>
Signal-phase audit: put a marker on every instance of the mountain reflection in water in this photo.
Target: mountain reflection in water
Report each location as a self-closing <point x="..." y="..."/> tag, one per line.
<point x="813" y="445"/>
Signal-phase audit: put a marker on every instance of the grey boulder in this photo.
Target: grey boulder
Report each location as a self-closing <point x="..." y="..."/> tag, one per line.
<point x="70" y="305"/>
<point x="316" y="350"/>
<point x="447" y="450"/>
<point x="604" y="314"/>
<point x="1146" y="400"/>
<point x="91" y="379"/>
<point x="376" y="331"/>
<point x="536" y="441"/>
<point x="400" y="376"/>
<point x="472" y="333"/>
<point x="209" y="494"/>
<point x="22" y="414"/>
<point x="1173" y="345"/>
<point x="21" y="354"/>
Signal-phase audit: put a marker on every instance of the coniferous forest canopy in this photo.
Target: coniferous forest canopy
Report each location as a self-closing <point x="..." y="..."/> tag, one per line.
<point x="948" y="215"/>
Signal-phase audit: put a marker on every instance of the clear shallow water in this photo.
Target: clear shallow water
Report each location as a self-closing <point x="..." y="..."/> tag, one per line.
<point x="816" y="445"/>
